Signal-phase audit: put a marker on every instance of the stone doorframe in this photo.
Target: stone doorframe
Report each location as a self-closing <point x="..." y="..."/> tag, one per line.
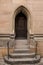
<point x="27" y="14"/>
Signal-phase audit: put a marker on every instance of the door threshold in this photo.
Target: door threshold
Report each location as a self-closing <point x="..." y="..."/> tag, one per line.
<point x="20" y="38"/>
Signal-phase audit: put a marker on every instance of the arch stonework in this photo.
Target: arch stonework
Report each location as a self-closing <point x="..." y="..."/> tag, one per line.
<point x="28" y="15"/>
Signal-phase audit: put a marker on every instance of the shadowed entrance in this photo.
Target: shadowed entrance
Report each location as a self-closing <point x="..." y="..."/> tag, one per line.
<point x="21" y="26"/>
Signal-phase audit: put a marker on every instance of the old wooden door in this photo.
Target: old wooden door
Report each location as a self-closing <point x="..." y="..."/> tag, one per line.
<point x="21" y="26"/>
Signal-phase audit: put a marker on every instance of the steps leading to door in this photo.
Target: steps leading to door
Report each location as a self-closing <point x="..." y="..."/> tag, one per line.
<point x="22" y="54"/>
<point x="22" y="60"/>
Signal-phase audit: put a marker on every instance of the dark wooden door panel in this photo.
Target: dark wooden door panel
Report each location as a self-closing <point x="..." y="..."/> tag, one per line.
<point x="21" y="26"/>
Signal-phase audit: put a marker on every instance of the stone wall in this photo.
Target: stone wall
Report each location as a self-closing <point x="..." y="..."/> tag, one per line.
<point x="8" y="7"/>
<point x="35" y="7"/>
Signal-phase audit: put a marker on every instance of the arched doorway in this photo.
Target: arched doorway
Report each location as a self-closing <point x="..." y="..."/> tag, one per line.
<point x="21" y="25"/>
<point x="21" y="12"/>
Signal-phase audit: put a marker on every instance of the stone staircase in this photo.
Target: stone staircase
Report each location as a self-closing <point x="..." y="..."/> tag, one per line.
<point x="22" y="54"/>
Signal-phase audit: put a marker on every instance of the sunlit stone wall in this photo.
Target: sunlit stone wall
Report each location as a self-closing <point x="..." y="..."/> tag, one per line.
<point x="35" y="7"/>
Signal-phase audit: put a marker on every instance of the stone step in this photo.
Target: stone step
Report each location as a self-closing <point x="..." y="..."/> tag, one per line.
<point x="21" y="47"/>
<point x="21" y="42"/>
<point x="22" y="60"/>
<point x="22" y="55"/>
<point x="21" y="50"/>
<point x="25" y="46"/>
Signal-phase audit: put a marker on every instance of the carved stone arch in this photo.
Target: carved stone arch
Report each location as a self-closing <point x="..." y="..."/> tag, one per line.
<point x="26" y="13"/>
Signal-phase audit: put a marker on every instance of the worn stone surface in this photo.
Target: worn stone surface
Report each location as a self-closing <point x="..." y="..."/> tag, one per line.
<point x="7" y="12"/>
<point x="3" y="63"/>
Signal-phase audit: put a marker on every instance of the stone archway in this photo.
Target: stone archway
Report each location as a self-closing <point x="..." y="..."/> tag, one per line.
<point x="26" y="13"/>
